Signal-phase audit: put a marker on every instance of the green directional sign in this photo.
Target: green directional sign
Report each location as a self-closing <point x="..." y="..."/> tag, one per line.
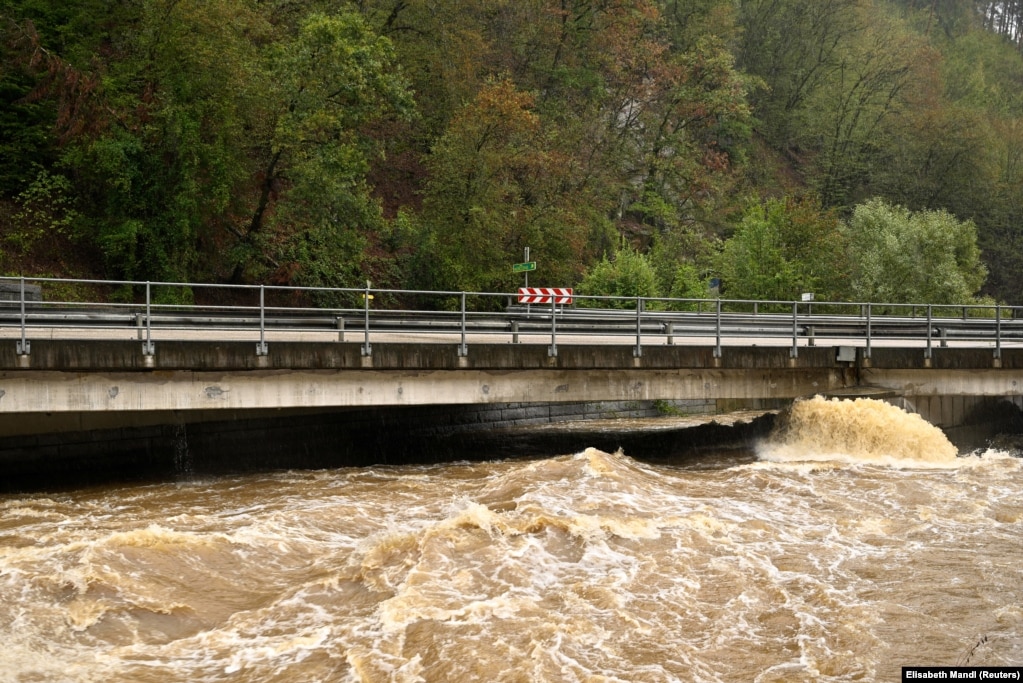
<point x="523" y="267"/>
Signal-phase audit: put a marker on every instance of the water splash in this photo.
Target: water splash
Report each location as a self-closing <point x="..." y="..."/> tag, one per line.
<point x="857" y="431"/>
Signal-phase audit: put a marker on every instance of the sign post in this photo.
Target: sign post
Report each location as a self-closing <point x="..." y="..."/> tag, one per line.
<point x="524" y="268"/>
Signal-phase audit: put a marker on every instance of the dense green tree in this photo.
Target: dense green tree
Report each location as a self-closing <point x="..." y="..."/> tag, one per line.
<point x="854" y="112"/>
<point x="795" y="47"/>
<point x="313" y="205"/>
<point x="235" y="141"/>
<point x="495" y="188"/>
<point x="783" y="248"/>
<point x="684" y="260"/>
<point x="214" y="139"/>
<point x="900" y="256"/>
<point x="626" y="274"/>
<point x="838" y="76"/>
<point x="1002" y="216"/>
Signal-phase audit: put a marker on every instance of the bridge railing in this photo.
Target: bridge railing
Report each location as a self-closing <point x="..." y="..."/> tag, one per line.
<point x="153" y="311"/>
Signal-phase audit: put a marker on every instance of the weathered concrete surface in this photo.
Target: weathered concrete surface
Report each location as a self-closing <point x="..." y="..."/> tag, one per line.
<point x="47" y="391"/>
<point x="125" y="355"/>
<point x="886" y="358"/>
<point x="114" y="376"/>
<point x="946" y="382"/>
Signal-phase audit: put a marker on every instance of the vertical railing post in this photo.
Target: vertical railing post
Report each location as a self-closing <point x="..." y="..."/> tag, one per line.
<point x="261" y="349"/>
<point x="998" y="331"/>
<point x="867" y="352"/>
<point x="463" y="350"/>
<point x="794" y="352"/>
<point x="638" y="351"/>
<point x="717" y="329"/>
<point x="23" y="347"/>
<point x="367" y="350"/>
<point x="147" y="346"/>
<point x="552" y="350"/>
<point x="927" y="353"/>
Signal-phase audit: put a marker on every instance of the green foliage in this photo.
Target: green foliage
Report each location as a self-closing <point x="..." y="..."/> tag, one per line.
<point x="627" y="274"/>
<point x="426" y="144"/>
<point x="46" y="211"/>
<point x="900" y="256"/>
<point x="495" y="188"/>
<point x="26" y="140"/>
<point x="314" y="211"/>
<point x="689" y="283"/>
<point x="783" y="248"/>
<point x="683" y="261"/>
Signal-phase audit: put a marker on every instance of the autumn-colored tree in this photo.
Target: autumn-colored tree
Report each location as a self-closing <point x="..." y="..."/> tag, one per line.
<point x="493" y="191"/>
<point x="427" y="143"/>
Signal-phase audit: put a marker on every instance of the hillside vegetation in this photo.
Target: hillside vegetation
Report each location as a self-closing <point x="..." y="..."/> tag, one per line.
<point x="860" y="149"/>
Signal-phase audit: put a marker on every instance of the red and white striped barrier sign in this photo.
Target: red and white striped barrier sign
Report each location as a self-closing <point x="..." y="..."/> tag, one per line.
<point x="545" y="295"/>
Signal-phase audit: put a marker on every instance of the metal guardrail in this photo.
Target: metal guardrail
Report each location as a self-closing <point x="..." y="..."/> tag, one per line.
<point x="462" y="317"/>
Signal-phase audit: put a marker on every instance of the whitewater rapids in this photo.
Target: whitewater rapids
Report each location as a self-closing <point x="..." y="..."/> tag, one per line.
<point x="814" y="562"/>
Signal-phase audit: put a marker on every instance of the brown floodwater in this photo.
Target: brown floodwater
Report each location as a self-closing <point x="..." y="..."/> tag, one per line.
<point x="854" y="543"/>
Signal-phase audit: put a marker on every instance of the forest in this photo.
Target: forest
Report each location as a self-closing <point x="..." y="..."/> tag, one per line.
<point x="863" y="150"/>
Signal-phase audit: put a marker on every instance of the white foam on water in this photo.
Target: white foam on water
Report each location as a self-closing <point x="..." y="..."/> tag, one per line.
<point x="857" y="432"/>
<point x="586" y="567"/>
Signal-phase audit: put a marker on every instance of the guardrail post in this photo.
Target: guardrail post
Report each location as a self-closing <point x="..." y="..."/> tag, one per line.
<point x="261" y="349"/>
<point x="23" y="347"/>
<point x="515" y="331"/>
<point x="794" y="352"/>
<point x="866" y="353"/>
<point x="998" y="332"/>
<point x="552" y="350"/>
<point x="463" y="350"/>
<point x="147" y="346"/>
<point x="340" y="328"/>
<point x="671" y="334"/>
<point x="367" y="350"/>
<point x="927" y="353"/>
<point x="638" y="351"/>
<point x="717" y="329"/>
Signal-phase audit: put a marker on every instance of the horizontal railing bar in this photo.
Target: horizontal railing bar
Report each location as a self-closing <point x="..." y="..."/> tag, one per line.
<point x="646" y="320"/>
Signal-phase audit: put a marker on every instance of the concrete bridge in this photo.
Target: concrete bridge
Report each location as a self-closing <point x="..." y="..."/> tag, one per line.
<point x="114" y="375"/>
<point x="87" y="385"/>
<point x="66" y="385"/>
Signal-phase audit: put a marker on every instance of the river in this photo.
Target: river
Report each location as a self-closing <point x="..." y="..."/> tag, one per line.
<point x="853" y="543"/>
